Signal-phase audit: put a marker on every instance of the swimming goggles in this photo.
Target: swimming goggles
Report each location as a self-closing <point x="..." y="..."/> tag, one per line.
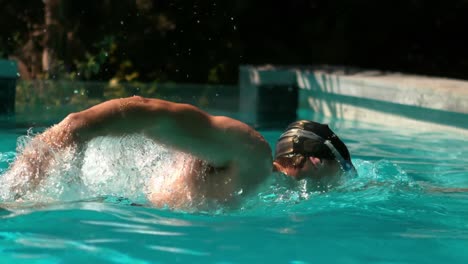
<point x="296" y="140"/>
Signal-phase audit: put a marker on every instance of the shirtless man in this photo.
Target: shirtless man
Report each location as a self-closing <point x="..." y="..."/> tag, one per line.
<point x="230" y="155"/>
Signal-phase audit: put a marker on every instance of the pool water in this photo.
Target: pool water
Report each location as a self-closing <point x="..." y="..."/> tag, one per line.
<point x="401" y="208"/>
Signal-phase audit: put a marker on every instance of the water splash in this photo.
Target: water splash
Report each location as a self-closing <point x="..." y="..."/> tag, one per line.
<point x="376" y="183"/>
<point x="121" y="169"/>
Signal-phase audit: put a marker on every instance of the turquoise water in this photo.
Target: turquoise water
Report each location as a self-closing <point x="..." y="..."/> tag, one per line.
<point x="394" y="211"/>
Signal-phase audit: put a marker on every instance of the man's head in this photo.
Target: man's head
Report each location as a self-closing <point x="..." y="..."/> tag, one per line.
<point x="311" y="150"/>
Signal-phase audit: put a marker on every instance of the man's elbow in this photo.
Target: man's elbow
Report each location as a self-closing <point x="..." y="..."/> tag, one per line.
<point x="73" y="122"/>
<point x="137" y="99"/>
<point x="142" y="105"/>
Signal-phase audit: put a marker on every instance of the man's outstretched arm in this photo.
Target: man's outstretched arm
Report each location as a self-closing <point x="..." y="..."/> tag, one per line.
<point x="219" y="140"/>
<point x="216" y="139"/>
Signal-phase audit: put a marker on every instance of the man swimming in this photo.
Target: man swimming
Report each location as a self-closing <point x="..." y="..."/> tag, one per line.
<point x="226" y="154"/>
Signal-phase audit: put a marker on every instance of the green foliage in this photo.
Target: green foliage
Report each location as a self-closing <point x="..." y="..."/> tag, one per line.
<point x="92" y="65"/>
<point x="206" y="41"/>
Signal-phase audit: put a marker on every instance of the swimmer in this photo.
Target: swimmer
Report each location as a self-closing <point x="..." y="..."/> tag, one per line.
<point x="231" y="155"/>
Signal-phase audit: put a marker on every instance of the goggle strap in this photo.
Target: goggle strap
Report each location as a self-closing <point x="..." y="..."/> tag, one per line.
<point x="344" y="163"/>
<point x="284" y="147"/>
<point x="300" y="132"/>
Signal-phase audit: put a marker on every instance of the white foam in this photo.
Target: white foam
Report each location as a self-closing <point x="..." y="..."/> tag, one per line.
<point x="106" y="166"/>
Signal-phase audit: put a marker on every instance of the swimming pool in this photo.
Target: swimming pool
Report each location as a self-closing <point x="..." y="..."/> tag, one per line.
<point x="391" y="212"/>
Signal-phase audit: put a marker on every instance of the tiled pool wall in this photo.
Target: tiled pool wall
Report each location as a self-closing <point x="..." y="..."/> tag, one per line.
<point x="418" y="102"/>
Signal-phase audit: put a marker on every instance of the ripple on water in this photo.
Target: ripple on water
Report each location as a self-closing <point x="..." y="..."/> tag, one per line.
<point x="376" y="215"/>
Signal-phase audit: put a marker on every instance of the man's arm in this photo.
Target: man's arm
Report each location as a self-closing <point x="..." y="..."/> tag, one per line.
<point x="221" y="141"/>
<point x="437" y="189"/>
<point x="216" y="139"/>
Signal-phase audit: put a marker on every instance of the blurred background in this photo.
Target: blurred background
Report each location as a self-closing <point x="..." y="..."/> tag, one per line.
<point x="206" y="41"/>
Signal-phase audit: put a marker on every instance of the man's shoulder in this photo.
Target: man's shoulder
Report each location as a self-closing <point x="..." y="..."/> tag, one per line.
<point x="254" y="157"/>
<point x="242" y="132"/>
